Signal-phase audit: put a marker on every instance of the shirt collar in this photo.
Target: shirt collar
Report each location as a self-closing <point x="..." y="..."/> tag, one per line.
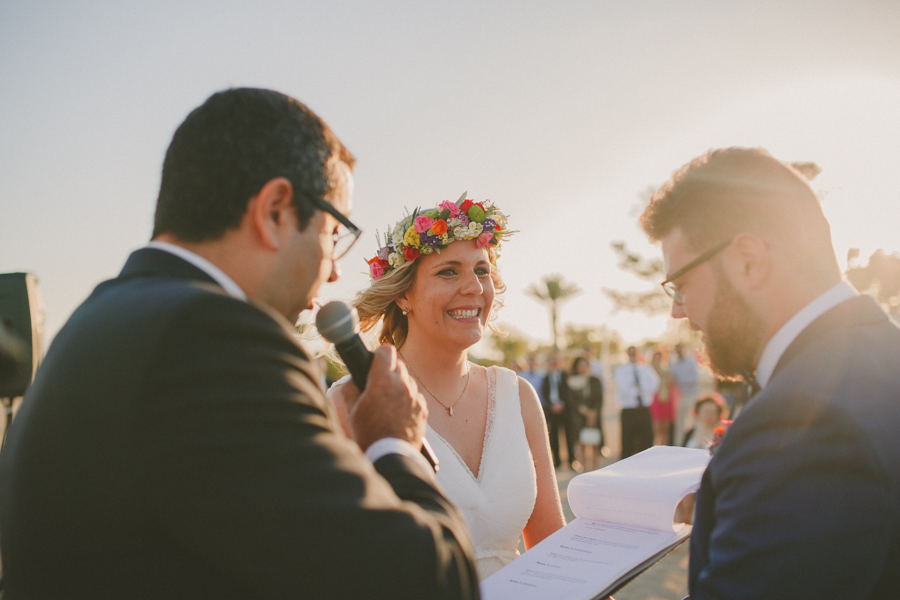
<point x="218" y="275"/>
<point x="776" y="346"/>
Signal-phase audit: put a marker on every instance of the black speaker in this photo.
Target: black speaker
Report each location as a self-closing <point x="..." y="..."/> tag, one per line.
<point x="21" y="332"/>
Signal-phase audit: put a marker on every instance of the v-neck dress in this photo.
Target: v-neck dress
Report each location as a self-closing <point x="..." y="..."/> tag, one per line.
<point x="497" y="501"/>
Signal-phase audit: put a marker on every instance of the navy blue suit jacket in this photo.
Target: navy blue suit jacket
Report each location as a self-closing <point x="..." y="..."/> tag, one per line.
<point x="802" y="499"/>
<point x="176" y="444"/>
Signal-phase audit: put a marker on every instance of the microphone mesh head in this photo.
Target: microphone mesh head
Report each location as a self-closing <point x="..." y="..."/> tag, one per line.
<point x="337" y="321"/>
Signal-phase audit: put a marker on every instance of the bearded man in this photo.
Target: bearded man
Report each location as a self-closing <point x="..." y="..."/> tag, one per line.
<point x="802" y="497"/>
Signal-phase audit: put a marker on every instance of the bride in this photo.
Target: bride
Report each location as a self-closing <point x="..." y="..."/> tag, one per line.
<point x="433" y="288"/>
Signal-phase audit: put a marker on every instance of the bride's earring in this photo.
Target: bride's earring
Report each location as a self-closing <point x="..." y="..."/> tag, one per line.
<point x="405" y="311"/>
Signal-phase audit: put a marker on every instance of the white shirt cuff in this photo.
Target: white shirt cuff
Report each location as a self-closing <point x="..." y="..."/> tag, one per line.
<point x="385" y="446"/>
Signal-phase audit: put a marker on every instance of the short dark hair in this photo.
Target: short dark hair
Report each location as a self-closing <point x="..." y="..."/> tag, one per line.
<point x="733" y="190"/>
<point x="229" y="147"/>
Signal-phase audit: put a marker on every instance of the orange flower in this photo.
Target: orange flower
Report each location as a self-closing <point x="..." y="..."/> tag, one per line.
<point x="439" y="227"/>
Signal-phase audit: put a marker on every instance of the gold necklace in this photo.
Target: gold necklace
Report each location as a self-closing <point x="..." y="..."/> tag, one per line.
<point x="449" y="408"/>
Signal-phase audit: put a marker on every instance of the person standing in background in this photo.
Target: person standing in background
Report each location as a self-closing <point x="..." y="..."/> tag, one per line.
<point x="587" y="405"/>
<point x="557" y="399"/>
<point x="686" y="373"/>
<point x="665" y="402"/>
<point x="708" y="414"/>
<point x="636" y="383"/>
<point x="533" y="375"/>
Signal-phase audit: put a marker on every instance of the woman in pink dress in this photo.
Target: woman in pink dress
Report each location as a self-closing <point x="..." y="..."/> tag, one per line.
<point x="662" y="411"/>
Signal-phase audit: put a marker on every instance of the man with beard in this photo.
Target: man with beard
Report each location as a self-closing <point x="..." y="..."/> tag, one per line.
<point x="801" y="497"/>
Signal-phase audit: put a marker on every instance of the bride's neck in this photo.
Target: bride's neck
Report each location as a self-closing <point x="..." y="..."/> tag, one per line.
<point x="433" y="361"/>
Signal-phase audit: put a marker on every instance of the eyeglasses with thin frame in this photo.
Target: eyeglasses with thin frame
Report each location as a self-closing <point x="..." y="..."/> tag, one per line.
<point x="347" y="232"/>
<point x="668" y="285"/>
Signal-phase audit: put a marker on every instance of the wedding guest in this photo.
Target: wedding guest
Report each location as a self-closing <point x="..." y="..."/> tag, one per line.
<point x="636" y="383"/>
<point x="587" y="400"/>
<point x="533" y="375"/>
<point x="687" y="376"/>
<point x="708" y="413"/>
<point x="558" y="410"/>
<point x="665" y="401"/>
<point x="432" y="294"/>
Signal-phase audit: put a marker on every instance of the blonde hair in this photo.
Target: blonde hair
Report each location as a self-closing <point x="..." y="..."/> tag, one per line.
<point x="378" y="301"/>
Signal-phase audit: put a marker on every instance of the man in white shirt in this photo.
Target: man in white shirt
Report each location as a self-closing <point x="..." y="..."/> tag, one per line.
<point x="686" y="373"/>
<point x="636" y="384"/>
<point x="801" y="497"/>
<point x="534" y="376"/>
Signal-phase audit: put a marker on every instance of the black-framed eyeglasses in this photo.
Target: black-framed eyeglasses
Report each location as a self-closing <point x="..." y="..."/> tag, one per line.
<point x="668" y="284"/>
<point x="347" y="232"/>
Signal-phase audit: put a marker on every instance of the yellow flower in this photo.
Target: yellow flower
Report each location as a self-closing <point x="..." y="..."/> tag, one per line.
<point x="412" y="238"/>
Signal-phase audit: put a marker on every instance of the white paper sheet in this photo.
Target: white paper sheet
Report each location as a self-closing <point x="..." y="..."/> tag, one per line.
<point x="624" y="520"/>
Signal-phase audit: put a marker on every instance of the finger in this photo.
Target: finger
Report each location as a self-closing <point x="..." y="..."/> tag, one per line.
<point x="392" y="353"/>
<point x="384" y="361"/>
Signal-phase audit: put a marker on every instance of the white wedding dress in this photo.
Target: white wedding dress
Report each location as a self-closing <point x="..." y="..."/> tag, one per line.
<point x="497" y="501"/>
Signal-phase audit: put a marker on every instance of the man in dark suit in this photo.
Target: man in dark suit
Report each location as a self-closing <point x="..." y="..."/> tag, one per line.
<point x="802" y="497"/>
<point x="176" y="442"/>
<point x="556" y="398"/>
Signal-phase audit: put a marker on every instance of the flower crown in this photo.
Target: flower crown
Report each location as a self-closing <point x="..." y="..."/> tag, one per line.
<point x="427" y="231"/>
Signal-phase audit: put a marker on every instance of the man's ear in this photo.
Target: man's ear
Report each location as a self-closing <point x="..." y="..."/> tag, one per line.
<point x="270" y="211"/>
<point x="748" y="261"/>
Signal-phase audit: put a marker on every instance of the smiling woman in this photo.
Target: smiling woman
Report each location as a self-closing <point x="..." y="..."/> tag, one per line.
<point x="433" y="289"/>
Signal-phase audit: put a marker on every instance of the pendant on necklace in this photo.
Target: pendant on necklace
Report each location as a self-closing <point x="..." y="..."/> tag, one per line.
<point x="450" y="410"/>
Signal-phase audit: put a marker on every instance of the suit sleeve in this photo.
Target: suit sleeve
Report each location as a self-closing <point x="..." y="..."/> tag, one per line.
<point x="247" y="474"/>
<point x="796" y="504"/>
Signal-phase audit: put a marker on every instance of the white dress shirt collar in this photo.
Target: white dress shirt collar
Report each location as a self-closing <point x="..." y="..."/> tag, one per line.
<point x="776" y="346"/>
<point x="204" y="265"/>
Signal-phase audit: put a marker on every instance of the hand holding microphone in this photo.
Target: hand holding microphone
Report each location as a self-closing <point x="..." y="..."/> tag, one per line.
<point x="389" y="404"/>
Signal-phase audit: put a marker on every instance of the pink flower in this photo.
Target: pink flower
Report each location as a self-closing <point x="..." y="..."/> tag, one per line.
<point x="423" y="223"/>
<point x="376" y="270"/>
<point x="484" y="239"/>
<point x="451" y="206"/>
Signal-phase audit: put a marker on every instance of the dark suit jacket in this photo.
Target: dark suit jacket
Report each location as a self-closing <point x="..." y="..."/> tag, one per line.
<point x="802" y="499"/>
<point x="565" y="394"/>
<point x="175" y="444"/>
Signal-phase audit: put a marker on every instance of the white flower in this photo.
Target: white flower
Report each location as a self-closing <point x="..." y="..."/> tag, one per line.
<point x="472" y="231"/>
<point x="396" y="259"/>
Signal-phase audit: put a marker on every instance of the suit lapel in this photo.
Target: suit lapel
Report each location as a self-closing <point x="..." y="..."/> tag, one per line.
<point x="860" y="310"/>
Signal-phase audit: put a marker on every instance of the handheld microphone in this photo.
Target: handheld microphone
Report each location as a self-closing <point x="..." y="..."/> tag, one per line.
<point x="338" y="323"/>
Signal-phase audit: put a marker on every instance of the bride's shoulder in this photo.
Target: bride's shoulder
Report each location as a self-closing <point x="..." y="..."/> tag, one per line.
<point x="337" y="399"/>
<point x="337" y="388"/>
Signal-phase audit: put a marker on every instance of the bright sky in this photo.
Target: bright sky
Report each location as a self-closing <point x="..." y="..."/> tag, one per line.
<point x="562" y="113"/>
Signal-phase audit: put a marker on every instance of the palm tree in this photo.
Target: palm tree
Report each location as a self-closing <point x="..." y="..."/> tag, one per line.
<point x="553" y="292"/>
